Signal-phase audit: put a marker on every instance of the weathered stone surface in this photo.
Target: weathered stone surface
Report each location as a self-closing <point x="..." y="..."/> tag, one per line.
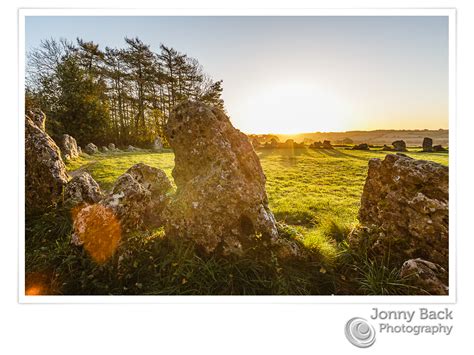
<point x="38" y="117"/>
<point x="139" y="197"/>
<point x="104" y="149"/>
<point x="153" y="179"/>
<point x="79" y="149"/>
<point x="136" y="202"/>
<point x="91" y="148"/>
<point x="82" y="188"/>
<point x="427" y="276"/>
<point x="399" y="146"/>
<point x="111" y="146"/>
<point x="387" y="148"/>
<point x="69" y="147"/>
<point x="427" y="144"/>
<point x="404" y="207"/>
<point x="128" y="201"/>
<point x="157" y="145"/>
<point x="45" y="171"/>
<point x="255" y="143"/>
<point x="221" y="202"/>
<point x="362" y="146"/>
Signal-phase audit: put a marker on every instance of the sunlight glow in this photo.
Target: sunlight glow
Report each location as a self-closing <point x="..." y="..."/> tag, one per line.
<point x="292" y="108"/>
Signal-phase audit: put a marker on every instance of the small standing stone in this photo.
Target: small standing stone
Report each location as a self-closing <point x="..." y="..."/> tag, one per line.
<point x="399" y="146"/>
<point x="427" y="144"/>
<point x="91" y="149"/>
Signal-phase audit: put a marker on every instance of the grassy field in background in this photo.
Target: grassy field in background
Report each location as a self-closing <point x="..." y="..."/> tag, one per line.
<point x="317" y="192"/>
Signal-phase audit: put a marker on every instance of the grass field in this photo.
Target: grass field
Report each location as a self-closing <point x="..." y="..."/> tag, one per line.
<point x="315" y="191"/>
<point x="315" y="194"/>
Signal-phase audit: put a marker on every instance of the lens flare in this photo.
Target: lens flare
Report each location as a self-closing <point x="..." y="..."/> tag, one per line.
<point x="37" y="284"/>
<point x="98" y="230"/>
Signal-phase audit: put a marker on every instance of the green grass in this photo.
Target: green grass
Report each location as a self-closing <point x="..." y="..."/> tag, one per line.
<point x="106" y="168"/>
<point x="315" y="194"/>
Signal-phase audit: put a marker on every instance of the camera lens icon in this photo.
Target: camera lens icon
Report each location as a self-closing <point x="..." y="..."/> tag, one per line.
<point x="360" y="333"/>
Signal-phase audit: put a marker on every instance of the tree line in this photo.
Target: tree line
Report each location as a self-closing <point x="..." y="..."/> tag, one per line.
<point x="120" y="95"/>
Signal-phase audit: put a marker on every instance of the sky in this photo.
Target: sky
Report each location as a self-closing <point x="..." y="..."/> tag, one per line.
<point x="297" y="74"/>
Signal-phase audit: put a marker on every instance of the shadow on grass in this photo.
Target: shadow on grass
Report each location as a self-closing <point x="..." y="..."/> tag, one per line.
<point x="287" y="156"/>
<point x="336" y="153"/>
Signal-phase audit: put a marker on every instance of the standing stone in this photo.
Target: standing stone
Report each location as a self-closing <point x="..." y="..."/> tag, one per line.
<point x="111" y="146"/>
<point x="45" y="172"/>
<point x="104" y="149"/>
<point x="362" y="146"/>
<point x="289" y="143"/>
<point x="399" y="146"/>
<point x="316" y="145"/>
<point x="427" y="144"/>
<point x="404" y="209"/>
<point x="439" y="148"/>
<point x="69" y="146"/>
<point x="82" y="189"/>
<point x="91" y="149"/>
<point x="274" y="143"/>
<point x="157" y="145"/>
<point x="137" y="200"/>
<point x="221" y="203"/>
<point x="327" y="145"/>
<point x="131" y="148"/>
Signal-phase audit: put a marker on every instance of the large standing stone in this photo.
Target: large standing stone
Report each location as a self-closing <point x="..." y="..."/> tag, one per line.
<point x="221" y="202"/>
<point x="45" y="171"/>
<point x="91" y="148"/>
<point x="427" y="144"/>
<point x="69" y="146"/>
<point x="399" y="146"/>
<point x="404" y="207"/>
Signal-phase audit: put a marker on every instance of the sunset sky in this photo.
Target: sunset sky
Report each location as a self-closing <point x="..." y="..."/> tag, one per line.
<point x="297" y="74"/>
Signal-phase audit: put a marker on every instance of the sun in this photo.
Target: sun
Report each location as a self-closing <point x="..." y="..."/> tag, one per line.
<point x="292" y="108"/>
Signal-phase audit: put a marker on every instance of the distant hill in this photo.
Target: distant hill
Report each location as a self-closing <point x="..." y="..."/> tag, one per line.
<point x="412" y="138"/>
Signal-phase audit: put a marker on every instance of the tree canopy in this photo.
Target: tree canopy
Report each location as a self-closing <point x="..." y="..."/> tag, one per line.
<point x="120" y="95"/>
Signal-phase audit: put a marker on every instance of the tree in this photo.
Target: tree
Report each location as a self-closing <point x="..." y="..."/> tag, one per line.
<point x="81" y="108"/>
<point x="121" y="95"/>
